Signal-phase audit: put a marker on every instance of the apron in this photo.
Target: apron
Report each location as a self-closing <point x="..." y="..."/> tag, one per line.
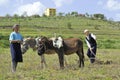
<point x="16" y="53"/>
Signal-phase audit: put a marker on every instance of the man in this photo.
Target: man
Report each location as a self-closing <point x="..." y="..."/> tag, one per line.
<point x="92" y="45"/>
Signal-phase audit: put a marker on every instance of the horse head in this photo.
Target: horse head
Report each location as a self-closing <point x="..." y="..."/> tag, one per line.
<point x="42" y="45"/>
<point x="29" y="43"/>
<point x="24" y="46"/>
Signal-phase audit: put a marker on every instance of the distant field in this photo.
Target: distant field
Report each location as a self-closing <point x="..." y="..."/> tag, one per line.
<point x="107" y="67"/>
<point x="107" y="32"/>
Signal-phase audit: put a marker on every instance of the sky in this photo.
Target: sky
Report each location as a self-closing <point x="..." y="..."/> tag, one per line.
<point x="110" y="8"/>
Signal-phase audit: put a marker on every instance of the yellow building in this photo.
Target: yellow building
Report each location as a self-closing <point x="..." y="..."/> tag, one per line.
<point x="50" y="12"/>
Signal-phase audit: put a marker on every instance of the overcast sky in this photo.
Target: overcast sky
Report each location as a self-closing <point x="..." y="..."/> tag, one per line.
<point x="110" y="8"/>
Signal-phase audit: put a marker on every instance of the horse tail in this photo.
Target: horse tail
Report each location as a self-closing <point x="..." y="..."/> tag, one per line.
<point x="83" y="53"/>
<point x="82" y="57"/>
<point x="81" y="49"/>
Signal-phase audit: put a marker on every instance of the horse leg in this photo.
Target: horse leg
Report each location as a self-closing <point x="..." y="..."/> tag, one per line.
<point x="61" y="58"/>
<point x="82" y="56"/>
<point x="61" y="61"/>
<point x="43" y="61"/>
<point x="81" y="59"/>
<point x="65" y="61"/>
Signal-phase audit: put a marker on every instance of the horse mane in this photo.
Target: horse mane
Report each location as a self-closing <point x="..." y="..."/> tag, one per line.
<point x="30" y="41"/>
<point x="48" y="42"/>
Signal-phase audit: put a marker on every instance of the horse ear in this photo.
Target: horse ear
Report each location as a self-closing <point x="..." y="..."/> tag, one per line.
<point x="35" y="48"/>
<point x="25" y="39"/>
<point x="55" y="35"/>
<point x="28" y="38"/>
<point x="60" y="38"/>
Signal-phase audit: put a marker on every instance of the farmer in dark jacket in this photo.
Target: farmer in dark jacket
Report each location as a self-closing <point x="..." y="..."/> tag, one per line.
<point x="92" y="45"/>
<point x="15" y="39"/>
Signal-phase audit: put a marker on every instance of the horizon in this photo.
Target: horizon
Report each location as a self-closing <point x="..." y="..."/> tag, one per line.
<point x="110" y="8"/>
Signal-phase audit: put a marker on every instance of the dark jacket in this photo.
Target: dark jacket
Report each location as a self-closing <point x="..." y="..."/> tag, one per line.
<point x="91" y="40"/>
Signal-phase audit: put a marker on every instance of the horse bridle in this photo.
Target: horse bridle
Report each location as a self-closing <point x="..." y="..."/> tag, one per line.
<point x="44" y="46"/>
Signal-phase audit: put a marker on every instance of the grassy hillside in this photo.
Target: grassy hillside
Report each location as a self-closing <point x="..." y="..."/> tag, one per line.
<point x="107" y="32"/>
<point x="107" y="66"/>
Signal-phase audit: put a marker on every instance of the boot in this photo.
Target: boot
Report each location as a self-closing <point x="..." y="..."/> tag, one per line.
<point x="14" y="65"/>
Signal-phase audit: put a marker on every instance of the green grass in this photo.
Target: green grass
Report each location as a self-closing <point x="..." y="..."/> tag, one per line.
<point x="104" y="30"/>
<point x="30" y="69"/>
<point x="108" y="39"/>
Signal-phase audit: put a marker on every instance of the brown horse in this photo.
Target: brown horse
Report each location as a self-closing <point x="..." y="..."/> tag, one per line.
<point x="61" y="47"/>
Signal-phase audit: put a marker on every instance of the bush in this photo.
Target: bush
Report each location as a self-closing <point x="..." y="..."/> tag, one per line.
<point x="109" y="44"/>
<point x="69" y="25"/>
<point x="4" y="42"/>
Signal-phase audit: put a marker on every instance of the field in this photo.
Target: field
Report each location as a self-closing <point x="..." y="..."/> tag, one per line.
<point x="107" y="66"/>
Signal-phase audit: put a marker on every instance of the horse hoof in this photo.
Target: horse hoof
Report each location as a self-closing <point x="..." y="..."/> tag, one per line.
<point x="61" y="68"/>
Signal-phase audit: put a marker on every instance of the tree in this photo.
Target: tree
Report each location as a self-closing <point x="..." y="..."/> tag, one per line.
<point x="24" y="14"/>
<point x="60" y="14"/>
<point x="68" y="14"/>
<point x="74" y="13"/>
<point x="44" y="15"/>
<point x="7" y="16"/>
<point x="35" y="16"/>
<point x="99" y="16"/>
<point x="87" y="15"/>
<point x="16" y="16"/>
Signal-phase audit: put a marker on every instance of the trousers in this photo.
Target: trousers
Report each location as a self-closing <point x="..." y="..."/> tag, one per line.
<point x="92" y="54"/>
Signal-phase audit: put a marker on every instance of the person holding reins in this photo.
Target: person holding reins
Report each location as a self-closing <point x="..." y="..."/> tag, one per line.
<point x="92" y="45"/>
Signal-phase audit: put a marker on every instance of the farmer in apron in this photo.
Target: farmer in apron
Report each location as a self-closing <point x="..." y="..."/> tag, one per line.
<point x="15" y="39"/>
<point x="92" y="45"/>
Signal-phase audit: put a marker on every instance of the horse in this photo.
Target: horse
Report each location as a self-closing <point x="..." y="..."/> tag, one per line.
<point x="62" y="47"/>
<point x="33" y="43"/>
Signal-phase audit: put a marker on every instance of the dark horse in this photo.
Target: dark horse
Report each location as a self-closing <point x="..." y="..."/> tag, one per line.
<point x="33" y="44"/>
<point x="61" y="47"/>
